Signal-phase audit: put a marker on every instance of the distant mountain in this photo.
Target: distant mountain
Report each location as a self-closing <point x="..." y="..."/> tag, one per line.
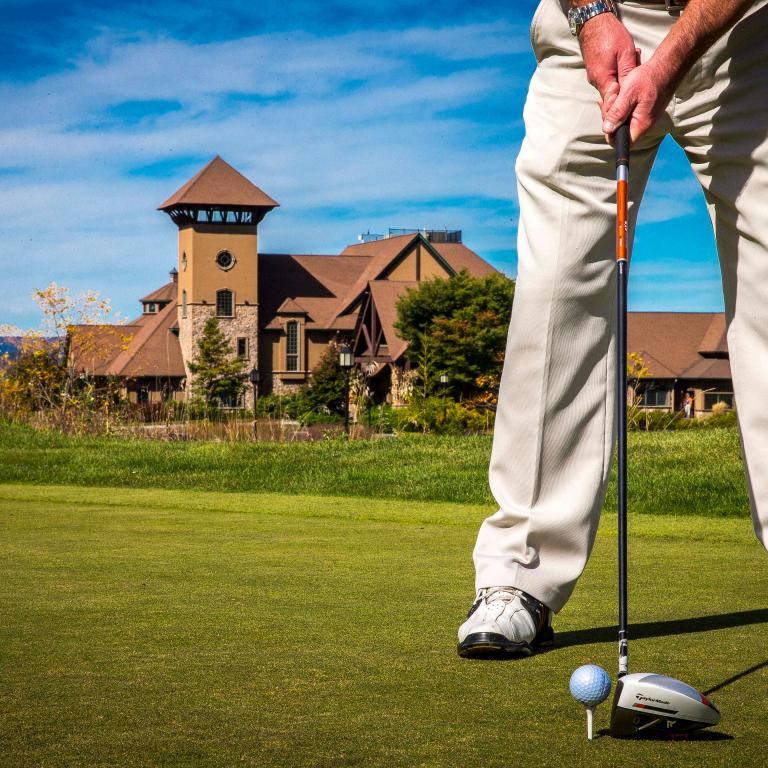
<point x="10" y="344"/>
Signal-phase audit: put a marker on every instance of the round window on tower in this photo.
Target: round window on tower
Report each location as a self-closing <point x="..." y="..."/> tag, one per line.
<point x="225" y="260"/>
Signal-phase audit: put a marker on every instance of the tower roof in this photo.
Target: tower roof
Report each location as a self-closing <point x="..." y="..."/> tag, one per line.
<point x="219" y="184"/>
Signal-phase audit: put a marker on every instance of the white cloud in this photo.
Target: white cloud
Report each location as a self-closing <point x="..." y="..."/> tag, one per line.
<point x="382" y="123"/>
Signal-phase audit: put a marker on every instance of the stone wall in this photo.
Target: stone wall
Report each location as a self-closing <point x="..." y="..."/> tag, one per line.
<point x="244" y="324"/>
<point x="281" y="387"/>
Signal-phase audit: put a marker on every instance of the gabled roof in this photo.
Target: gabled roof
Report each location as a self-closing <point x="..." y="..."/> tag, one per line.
<point x="291" y="307"/>
<point x="315" y="283"/>
<point x="142" y="348"/>
<point x="382" y="253"/>
<point x="676" y="345"/>
<point x="167" y="293"/>
<point x="384" y="295"/>
<point x="218" y="183"/>
<point x="327" y="286"/>
<point x="93" y="347"/>
<point x="153" y="351"/>
<point x="460" y="257"/>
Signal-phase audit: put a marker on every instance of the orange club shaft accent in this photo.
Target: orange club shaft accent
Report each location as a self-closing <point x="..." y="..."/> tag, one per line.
<point x="622" y="229"/>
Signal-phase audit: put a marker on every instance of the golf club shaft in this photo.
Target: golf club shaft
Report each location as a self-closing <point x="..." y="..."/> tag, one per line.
<point x="622" y="268"/>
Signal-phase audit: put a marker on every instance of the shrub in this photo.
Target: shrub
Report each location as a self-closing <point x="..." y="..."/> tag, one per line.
<point x="441" y="416"/>
<point x="297" y="406"/>
<point x="659" y="421"/>
<point x="651" y="421"/>
<point x="381" y="418"/>
<point x="326" y="386"/>
<point x="715" y="421"/>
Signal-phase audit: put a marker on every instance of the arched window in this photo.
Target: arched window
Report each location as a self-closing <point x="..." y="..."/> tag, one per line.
<point x="184" y="303"/>
<point x="224" y="303"/>
<point x="292" y="346"/>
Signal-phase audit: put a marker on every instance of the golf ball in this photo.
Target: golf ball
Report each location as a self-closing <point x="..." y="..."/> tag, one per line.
<point x="590" y="685"/>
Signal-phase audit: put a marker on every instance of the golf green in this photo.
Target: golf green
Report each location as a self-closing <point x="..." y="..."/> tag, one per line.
<point x="150" y="627"/>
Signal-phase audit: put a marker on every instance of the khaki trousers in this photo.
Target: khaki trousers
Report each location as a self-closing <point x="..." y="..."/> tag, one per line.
<point x="555" y="428"/>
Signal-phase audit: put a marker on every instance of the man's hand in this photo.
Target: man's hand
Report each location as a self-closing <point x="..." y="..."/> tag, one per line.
<point x="609" y="56"/>
<point x="643" y="97"/>
<point x="645" y="92"/>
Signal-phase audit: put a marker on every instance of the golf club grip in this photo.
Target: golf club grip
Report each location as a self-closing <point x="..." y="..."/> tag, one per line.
<point x="621" y="142"/>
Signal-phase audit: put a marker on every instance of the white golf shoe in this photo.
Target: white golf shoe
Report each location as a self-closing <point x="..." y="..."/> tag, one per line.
<point x="505" y="620"/>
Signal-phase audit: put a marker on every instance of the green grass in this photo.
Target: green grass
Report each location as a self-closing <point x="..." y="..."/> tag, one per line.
<point x="692" y="472"/>
<point x="146" y="627"/>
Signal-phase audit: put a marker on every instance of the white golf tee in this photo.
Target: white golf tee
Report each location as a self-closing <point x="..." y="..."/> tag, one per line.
<point x="590" y="713"/>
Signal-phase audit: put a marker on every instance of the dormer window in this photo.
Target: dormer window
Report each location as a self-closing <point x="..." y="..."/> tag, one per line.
<point x="224" y="303"/>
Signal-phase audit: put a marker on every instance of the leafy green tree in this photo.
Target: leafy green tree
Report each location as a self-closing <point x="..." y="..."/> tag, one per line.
<point x="219" y="374"/>
<point x="326" y="389"/>
<point x="461" y="325"/>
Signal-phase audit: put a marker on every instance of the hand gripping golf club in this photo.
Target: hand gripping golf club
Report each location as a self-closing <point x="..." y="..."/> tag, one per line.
<point x="643" y="703"/>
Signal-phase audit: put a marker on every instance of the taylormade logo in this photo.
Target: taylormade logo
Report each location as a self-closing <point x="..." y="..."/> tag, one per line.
<point x="639" y="697"/>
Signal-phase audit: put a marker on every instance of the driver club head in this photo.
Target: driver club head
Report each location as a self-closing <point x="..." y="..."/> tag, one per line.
<point x="654" y="705"/>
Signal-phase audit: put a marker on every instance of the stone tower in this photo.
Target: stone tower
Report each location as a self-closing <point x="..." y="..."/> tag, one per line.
<point x="218" y="212"/>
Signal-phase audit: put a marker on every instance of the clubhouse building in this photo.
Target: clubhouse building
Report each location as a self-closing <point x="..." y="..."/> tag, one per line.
<point x="280" y="311"/>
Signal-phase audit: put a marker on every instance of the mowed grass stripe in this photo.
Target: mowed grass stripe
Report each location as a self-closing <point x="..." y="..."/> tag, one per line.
<point x="151" y="502"/>
<point x="694" y="472"/>
<point x="154" y="627"/>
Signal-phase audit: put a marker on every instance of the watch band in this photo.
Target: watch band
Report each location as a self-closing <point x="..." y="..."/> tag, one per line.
<point x="577" y="17"/>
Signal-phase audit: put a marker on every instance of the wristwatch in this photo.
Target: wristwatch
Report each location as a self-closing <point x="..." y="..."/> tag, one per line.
<point x="578" y="16"/>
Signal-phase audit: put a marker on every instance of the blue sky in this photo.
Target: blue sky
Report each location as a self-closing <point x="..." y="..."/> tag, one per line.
<point x="355" y="116"/>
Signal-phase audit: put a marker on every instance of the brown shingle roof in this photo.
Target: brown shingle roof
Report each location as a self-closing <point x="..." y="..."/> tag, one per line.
<point x="380" y="254"/>
<point x="167" y="293"/>
<point x="714" y="342"/>
<point x="153" y="351"/>
<point x="671" y="344"/>
<point x="383" y="252"/>
<point x="291" y="307"/>
<point x="146" y="348"/>
<point x="315" y="282"/>
<point x="326" y="286"/>
<point x="93" y="347"/>
<point x="218" y="183"/>
<point x="460" y="257"/>
<point x="384" y="294"/>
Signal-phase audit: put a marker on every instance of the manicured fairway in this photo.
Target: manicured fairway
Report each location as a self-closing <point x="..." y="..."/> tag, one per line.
<point x="176" y="628"/>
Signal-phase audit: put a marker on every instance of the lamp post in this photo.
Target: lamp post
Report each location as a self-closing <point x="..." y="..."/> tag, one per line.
<point x="346" y="363"/>
<point x="253" y="377"/>
<point x="444" y="386"/>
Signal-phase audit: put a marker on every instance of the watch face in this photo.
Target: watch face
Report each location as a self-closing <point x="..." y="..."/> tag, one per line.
<point x="225" y="260"/>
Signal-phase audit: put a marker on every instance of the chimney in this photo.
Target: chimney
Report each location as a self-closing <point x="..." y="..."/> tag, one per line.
<point x="174" y="275"/>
